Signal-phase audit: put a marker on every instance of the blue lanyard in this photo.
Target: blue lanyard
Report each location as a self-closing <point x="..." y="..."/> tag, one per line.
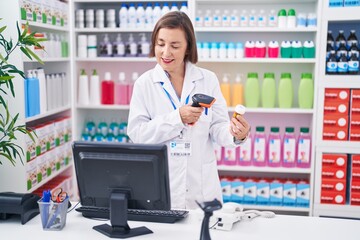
<point x="168" y="94"/>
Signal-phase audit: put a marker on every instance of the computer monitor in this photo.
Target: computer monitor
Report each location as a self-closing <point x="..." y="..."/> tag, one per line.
<point x="121" y="176"/>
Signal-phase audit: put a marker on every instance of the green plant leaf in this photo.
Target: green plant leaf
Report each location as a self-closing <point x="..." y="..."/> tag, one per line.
<point x="8" y="157"/>
<point x="26" y="28"/>
<point x="12" y="123"/>
<point x="18" y="29"/>
<point x="25" y="52"/>
<point x="2" y="29"/>
<point x="34" y="55"/>
<point x="6" y="78"/>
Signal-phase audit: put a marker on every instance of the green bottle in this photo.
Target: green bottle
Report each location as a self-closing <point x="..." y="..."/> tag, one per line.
<point x="286" y="92"/>
<point x="268" y="91"/>
<point x="252" y="91"/>
<point x="306" y="91"/>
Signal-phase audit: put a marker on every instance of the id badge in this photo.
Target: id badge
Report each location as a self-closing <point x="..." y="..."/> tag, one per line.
<point x="180" y="149"/>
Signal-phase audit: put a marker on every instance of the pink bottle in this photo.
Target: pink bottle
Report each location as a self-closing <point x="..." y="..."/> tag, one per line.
<point x="274" y="148"/>
<point x="245" y="151"/>
<point x="259" y="147"/>
<point x="260" y="49"/>
<point x="229" y="156"/>
<point x="249" y="49"/>
<point x="273" y="49"/>
<point x="121" y="90"/>
<point x="134" y="76"/>
<point x="107" y="90"/>
<point x="289" y="148"/>
<point x="304" y="149"/>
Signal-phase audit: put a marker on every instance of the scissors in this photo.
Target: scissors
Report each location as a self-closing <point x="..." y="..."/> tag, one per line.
<point x="58" y="195"/>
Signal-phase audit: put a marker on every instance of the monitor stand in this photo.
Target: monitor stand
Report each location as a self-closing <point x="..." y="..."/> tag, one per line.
<point x="118" y="217"/>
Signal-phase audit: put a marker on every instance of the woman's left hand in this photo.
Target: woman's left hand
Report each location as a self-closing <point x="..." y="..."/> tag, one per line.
<point x="239" y="127"/>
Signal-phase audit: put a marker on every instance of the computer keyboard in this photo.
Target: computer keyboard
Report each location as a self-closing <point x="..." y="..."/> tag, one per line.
<point x="159" y="216"/>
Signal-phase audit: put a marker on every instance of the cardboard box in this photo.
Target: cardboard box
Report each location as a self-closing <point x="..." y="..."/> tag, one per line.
<point x="355" y="160"/>
<point x="276" y="192"/>
<point x="333" y="107"/>
<point x="237" y="190"/>
<point x="333" y="185"/>
<point x="335" y="133"/>
<point x="332" y="197"/>
<point x="334" y="160"/>
<point x="289" y="194"/>
<point x="337" y="94"/>
<point x="250" y="191"/>
<point x="336" y="120"/>
<point x="226" y="188"/>
<point x="333" y="173"/>
<point x="303" y="194"/>
<point x="263" y="192"/>
<point x="355" y="199"/>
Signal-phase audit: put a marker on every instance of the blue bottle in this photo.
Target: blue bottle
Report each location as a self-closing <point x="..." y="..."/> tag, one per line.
<point x="33" y="94"/>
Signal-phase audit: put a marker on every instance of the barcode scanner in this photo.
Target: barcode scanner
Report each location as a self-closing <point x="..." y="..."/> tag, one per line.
<point x="202" y="100"/>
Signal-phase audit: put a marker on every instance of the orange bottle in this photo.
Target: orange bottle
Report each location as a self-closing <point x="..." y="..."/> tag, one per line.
<point x="225" y="89"/>
<point x="237" y="96"/>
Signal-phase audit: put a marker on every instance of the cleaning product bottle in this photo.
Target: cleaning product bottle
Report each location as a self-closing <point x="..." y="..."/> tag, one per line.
<point x="245" y="152"/>
<point x="123" y="16"/>
<point x="156" y="12"/>
<point x="114" y="128"/>
<point x="165" y="9"/>
<point x="149" y="16"/>
<point x="331" y="63"/>
<point x="225" y="89"/>
<point x="285" y="92"/>
<point x="268" y="91"/>
<point x="121" y="90"/>
<point x="94" y="89"/>
<point x="105" y="47"/>
<point x="306" y="91"/>
<point x="42" y="90"/>
<point x="304" y="149"/>
<point x="237" y="94"/>
<point x="259" y="146"/>
<point x="33" y="94"/>
<point x="131" y="47"/>
<point x="273" y="49"/>
<point x="289" y="148"/>
<point x="134" y="77"/>
<point x="252" y="91"/>
<point x="118" y="47"/>
<point x="107" y="89"/>
<point x="83" y="97"/>
<point x="274" y="148"/>
<point x="131" y="16"/>
<point x="140" y="16"/>
<point x="102" y="128"/>
<point x="144" y="46"/>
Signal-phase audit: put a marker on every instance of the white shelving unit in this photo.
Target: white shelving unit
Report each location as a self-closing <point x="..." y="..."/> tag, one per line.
<point x="14" y="178"/>
<point x="343" y="15"/>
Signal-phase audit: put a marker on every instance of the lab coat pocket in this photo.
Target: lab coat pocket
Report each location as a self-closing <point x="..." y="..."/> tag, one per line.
<point x="206" y="116"/>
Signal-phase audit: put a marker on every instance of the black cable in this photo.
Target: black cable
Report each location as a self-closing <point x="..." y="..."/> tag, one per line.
<point x="215" y="224"/>
<point x="73" y="207"/>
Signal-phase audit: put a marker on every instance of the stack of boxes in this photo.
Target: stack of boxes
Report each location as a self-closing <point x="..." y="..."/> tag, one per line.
<point x="355" y="180"/>
<point x="333" y="178"/>
<point x="355" y="115"/>
<point x="273" y="192"/>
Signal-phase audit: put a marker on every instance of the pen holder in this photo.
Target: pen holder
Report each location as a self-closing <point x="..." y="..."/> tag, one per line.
<point x="53" y="215"/>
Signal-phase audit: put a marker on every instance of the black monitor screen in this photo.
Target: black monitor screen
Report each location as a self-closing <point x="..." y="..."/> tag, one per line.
<point x="138" y="172"/>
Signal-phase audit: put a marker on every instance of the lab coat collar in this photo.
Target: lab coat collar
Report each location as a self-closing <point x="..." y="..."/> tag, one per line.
<point x="192" y="74"/>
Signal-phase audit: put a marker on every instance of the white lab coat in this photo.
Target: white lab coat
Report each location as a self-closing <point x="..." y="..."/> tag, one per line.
<point x="153" y="119"/>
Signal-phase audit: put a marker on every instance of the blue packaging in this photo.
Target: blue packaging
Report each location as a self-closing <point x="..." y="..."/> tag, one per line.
<point x="289" y="194"/>
<point x="237" y="190"/>
<point x="226" y="189"/>
<point x="276" y="193"/>
<point x="351" y="3"/>
<point x="33" y="95"/>
<point x="302" y="194"/>
<point x="26" y="98"/>
<point x="263" y="192"/>
<point x="250" y="191"/>
<point x="336" y="3"/>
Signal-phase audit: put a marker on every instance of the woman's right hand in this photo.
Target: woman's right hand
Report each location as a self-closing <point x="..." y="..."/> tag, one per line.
<point x="190" y="114"/>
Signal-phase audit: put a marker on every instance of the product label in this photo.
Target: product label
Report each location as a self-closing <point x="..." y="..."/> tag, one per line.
<point x="353" y="66"/>
<point x="342" y="67"/>
<point x="229" y="155"/>
<point x="274" y="150"/>
<point x="245" y="151"/>
<point x="289" y="150"/>
<point x="331" y="67"/>
<point x="303" y="155"/>
<point x="259" y="150"/>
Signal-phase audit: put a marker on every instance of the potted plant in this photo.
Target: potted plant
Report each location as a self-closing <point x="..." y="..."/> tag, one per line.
<point x="9" y="149"/>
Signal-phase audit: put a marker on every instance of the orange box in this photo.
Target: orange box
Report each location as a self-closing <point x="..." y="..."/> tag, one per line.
<point x="334" y="160"/>
<point x="355" y="198"/>
<point x="336" y="107"/>
<point x="336" y="120"/>
<point x="331" y="197"/>
<point x="355" y="108"/>
<point x="354" y="134"/>
<point x="335" y="133"/>
<point x="355" y="160"/>
<point x="355" y="186"/>
<point x="333" y="173"/>
<point x="355" y="174"/>
<point x="355" y="95"/>
<point x="337" y="94"/>
<point x="333" y="185"/>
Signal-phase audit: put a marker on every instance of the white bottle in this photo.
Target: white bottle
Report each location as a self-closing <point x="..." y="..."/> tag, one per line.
<point x="262" y="19"/>
<point x="144" y="46"/>
<point x="234" y="19"/>
<point x="282" y="18"/>
<point x="208" y="19"/>
<point x="132" y="46"/>
<point x="252" y="18"/>
<point x="226" y="19"/>
<point x="222" y="51"/>
<point x="291" y="18"/>
<point x="100" y="18"/>
<point x="94" y="89"/>
<point x="83" y="94"/>
<point x="42" y="89"/>
<point x="244" y="19"/>
<point x="239" y="50"/>
<point x="148" y="16"/>
<point x="57" y="46"/>
<point x="184" y="8"/>
<point x="156" y="13"/>
<point x="205" y="50"/>
<point x="214" y="50"/>
<point x="199" y="19"/>
<point x="140" y="16"/>
<point x="132" y="16"/>
<point x="110" y="18"/>
<point x="119" y="47"/>
<point x="272" y="21"/>
<point x="106" y="47"/>
<point x="165" y="9"/>
<point x="231" y="52"/>
<point x="174" y="7"/>
<point x="217" y="18"/>
<point x="123" y="16"/>
<point x="89" y="18"/>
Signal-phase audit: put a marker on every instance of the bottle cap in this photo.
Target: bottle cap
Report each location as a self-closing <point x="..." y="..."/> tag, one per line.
<point x="260" y="129"/>
<point x="269" y="75"/>
<point x="94" y="72"/>
<point x="82" y="72"/>
<point x="304" y="130"/>
<point x="285" y="75"/>
<point x="306" y="75"/>
<point x="252" y="75"/>
<point x="240" y="109"/>
<point x="107" y="76"/>
<point x="289" y="129"/>
<point x="122" y="76"/>
<point x="291" y="12"/>
<point x="274" y="129"/>
<point x="282" y="13"/>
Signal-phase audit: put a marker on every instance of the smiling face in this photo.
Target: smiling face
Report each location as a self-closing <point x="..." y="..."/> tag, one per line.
<point x="170" y="49"/>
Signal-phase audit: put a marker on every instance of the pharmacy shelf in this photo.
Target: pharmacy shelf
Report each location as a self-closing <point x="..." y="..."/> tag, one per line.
<point x="276" y="110"/>
<point x="42" y="26"/>
<point x="117" y="1"/>
<point x="256" y="29"/>
<point x="116" y="59"/>
<point x="341" y="14"/>
<point x="255" y="2"/>
<point x="272" y="208"/>
<point x="225" y="168"/>
<point x="46" y="60"/>
<point x="348" y="147"/>
<point x="112" y="30"/>
<point x="260" y="60"/>
<point x="47" y="114"/>
<point x="104" y="107"/>
<point x="340" y="81"/>
<point x="333" y="210"/>
<point x="52" y="176"/>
